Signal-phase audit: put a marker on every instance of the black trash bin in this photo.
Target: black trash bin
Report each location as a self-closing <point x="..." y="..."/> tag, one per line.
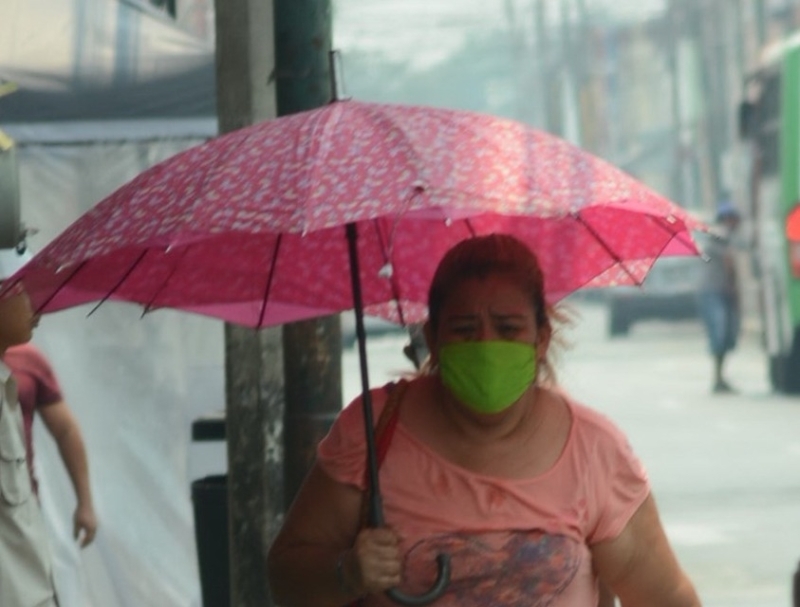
<point x="796" y="587"/>
<point x="210" y="499"/>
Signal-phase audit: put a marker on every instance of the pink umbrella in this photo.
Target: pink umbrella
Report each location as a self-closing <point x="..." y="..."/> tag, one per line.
<point x="352" y="206"/>
<point x="248" y="227"/>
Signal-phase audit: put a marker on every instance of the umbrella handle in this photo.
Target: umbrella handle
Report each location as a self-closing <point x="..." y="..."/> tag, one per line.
<point x="375" y="508"/>
<point x="438" y="588"/>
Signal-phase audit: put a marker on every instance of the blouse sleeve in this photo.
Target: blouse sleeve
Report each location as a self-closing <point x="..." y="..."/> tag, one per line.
<point x="619" y="480"/>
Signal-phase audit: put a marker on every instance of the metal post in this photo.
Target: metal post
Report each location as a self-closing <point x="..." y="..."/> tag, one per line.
<point x="713" y="19"/>
<point x="740" y="41"/>
<point x="796" y="587"/>
<point x="582" y="49"/>
<point x="763" y="22"/>
<point x="569" y="127"/>
<point x="11" y="230"/>
<point x="312" y="349"/>
<point x="543" y="54"/>
<point x="675" y="20"/>
<point x="254" y="372"/>
<point x="516" y="37"/>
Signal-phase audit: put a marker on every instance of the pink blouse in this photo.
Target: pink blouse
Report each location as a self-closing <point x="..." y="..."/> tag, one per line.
<point x="513" y="542"/>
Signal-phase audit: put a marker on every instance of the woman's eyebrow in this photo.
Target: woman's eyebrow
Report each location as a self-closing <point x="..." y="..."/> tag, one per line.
<point x="463" y="318"/>
<point x="508" y="315"/>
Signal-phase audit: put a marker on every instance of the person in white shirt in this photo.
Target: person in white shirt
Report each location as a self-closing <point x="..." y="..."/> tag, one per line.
<point x="26" y="577"/>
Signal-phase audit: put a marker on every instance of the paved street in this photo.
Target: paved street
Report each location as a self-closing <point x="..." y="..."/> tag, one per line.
<point x="725" y="469"/>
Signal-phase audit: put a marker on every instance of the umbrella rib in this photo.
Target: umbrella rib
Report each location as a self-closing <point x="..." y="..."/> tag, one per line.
<point x="127" y="273"/>
<point x="149" y="306"/>
<point x="605" y="246"/>
<point x="387" y="260"/>
<point x="271" y="276"/>
<point x="679" y="235"/>
<point x="472" y="232"/>
<point x="81" y="265"/>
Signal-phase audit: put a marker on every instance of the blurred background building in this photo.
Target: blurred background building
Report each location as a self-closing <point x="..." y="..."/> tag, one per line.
<point x="107" y="88"/>
<point x="652" y="86"/>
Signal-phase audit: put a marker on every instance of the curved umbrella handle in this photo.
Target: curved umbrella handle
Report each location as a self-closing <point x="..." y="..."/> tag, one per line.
<point x="438" y="588"/>
<point x="375" y="508"/>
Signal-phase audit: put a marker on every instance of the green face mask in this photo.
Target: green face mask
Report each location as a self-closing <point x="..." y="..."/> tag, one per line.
<point x="487" y="376"/>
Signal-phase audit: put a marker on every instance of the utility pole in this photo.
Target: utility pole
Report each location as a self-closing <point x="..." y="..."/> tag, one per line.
<point x="582" y="49"/>
<point x="546" y="119"/>
<point x="312" y="349"/>
<point x="763" y="23"/>
<point x="740" y="41"/>
<point x="713" y="21"/>
<point x="254" y="387"/>
<point x="272" y="59"/>
<point x="522" y="93"/>
<point x="570" y="123"/>
<point x="11" y="230"/>
<point x="675" y="21"/>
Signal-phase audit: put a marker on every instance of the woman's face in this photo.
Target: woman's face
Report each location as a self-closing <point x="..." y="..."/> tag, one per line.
<point x="491" y="308"/>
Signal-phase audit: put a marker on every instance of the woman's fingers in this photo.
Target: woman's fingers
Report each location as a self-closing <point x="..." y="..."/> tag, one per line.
<point x="378" y="556"/>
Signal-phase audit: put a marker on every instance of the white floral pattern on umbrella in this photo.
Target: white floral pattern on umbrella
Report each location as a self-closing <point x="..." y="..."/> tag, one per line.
<point x="248" y="227"/>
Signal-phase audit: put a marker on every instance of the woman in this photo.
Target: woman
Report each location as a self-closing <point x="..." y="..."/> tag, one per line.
<point x="537" y="499"/>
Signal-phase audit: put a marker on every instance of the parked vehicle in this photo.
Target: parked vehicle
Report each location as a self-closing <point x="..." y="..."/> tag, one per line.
<point x="770" y="128"/>
<point x="668" y="293"/>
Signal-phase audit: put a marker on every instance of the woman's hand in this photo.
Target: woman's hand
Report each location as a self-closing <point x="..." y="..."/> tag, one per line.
<point x="373" y="564"/>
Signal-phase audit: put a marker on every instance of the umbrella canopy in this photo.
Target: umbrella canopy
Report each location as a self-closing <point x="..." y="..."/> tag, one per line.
<point x="249" y="227"/>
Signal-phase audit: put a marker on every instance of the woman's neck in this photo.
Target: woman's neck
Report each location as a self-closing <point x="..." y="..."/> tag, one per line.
<point x="477" y="428"/>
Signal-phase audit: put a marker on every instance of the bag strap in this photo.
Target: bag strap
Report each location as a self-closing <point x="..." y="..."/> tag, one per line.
<point x="387" y="422"/>
<point x="384" y="431"/>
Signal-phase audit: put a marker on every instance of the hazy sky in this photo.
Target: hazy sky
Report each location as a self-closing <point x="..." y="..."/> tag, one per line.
<point x="423" y="32"/>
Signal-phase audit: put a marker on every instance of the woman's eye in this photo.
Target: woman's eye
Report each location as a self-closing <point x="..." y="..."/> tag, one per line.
<point x="462" y="330"/>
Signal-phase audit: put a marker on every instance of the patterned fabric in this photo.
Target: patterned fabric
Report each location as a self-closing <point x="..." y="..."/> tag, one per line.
<point x="524" y="568"/>
<point x="513" y="542"/>
<point x="248" y="227"/>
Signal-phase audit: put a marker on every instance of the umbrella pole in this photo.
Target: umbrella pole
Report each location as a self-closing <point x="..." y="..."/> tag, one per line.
<point x="375" y="502"/>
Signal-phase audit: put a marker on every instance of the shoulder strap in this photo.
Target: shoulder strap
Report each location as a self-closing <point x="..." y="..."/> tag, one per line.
<point x="387" y="422"/>
<point x="384" y="431"/>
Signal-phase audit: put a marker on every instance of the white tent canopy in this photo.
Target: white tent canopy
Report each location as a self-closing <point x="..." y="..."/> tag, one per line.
<point x="102" y="60"/>
<point x="106" y="89"/>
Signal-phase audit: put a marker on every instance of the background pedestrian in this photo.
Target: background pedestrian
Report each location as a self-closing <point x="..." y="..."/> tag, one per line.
<point x="719" y="298"/>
